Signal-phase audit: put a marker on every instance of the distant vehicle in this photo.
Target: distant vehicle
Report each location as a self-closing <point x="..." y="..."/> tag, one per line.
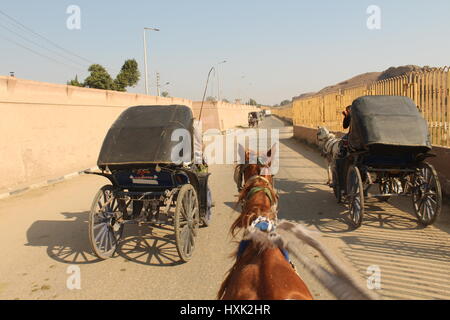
<point x="268" y="113"/>
<point x="253" y="119"/>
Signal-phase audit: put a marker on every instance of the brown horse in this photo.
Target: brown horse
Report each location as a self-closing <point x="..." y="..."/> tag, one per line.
<point x="262" y="270"/>
<point x="256" y="165"/>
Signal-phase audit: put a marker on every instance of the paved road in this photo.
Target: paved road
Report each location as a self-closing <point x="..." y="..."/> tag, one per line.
<point x="44" y="231"/>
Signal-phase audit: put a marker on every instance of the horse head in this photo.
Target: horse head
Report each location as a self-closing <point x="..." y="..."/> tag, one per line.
<point x="322" y="134"/>
<point x="253" y="165"/>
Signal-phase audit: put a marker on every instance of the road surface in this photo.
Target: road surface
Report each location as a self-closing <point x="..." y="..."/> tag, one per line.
<point x="44" y="232"/>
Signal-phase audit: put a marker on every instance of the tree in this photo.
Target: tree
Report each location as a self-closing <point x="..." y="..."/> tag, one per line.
<point x="252" y="102"/>
<point x="75" y="82"/>
<point x="211" y="99"/>
<point x="285" y="102"/>
<point x="165" y="94"/>
<point x="99" y="78"/>
<point x="128" y="77"/>
<point x="225" y="100"/>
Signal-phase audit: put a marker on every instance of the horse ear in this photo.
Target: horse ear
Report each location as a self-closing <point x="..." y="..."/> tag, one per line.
<point x="242" y="154"/>
<point x="270" y="154"/>
<point x="272" y="151"/>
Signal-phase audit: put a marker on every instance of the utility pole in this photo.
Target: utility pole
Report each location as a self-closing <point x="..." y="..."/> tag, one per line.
<point x="218" y="79"/>
<point x="158" y="85"/>
<point x="145" y="57"/>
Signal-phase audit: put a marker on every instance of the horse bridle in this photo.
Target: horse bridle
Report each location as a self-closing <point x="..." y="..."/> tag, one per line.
<point x="242" y="168"/>
<point x="267" y="191"/>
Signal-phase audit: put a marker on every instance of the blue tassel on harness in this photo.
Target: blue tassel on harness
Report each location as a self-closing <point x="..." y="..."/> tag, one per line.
<point x="263" y="226"/>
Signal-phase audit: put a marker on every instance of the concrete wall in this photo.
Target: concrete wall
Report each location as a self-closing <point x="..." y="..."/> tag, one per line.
<point x="223" y="116"/>
<point x="441" y="162"/>
<point x="49" y="130"/>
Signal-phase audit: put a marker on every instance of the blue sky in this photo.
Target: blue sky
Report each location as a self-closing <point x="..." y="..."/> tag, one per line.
<point x="275" y="49"/>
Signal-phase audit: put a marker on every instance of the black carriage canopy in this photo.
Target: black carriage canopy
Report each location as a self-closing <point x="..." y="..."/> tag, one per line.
<point x="143" y="135"/>
<point x="388" y="124"/>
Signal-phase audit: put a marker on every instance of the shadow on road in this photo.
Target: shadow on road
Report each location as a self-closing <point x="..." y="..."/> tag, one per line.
<point x="149" y="246"/>
<point x="402" y="204"/>
<point x="414" y="261"/>
<point x="68" y="242"/>
<point x="308" y="203"/>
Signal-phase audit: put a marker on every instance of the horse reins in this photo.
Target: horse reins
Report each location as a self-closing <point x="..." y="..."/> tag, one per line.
<point x="267" y="190"/>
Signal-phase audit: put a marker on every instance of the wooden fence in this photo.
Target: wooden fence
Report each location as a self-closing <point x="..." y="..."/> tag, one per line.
<point x="430" y="90"/>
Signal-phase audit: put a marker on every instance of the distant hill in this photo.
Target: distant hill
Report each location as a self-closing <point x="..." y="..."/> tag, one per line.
<point x="367" y="79"/>
<point x="359" y="80"/>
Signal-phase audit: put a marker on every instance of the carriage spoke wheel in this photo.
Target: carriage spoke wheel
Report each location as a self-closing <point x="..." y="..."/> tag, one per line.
<point x="336" y="187"/>
<point x="355" y="196"/>
<point x="104" y="229"/>
<point x="186" y="221"/>
<point x="426" y="194"/>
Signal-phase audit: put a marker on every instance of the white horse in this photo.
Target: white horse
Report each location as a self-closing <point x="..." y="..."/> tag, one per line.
<point x="330" y="146"/>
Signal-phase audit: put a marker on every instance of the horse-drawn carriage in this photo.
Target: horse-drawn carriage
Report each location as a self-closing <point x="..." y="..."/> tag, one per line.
<point x="387" y="145"/>
<point x="147" y="185"/>
<point x="253" y="119"/>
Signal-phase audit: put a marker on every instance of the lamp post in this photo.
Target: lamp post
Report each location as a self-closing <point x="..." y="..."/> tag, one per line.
<point x="145" y="57"/>
<point x="218" y="79"/>
<point x="204" y="94"/>
<point x="160" y="87"/>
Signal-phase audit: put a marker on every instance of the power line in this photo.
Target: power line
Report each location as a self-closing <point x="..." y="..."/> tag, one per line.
<point x="49" y="41"/>
<point x="42" y="47"/>
<point x="46" y="39"/>
<point x="38" y="53"/>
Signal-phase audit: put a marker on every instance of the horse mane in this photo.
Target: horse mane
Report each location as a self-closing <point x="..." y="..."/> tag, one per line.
<point x="250" y="214"/>
<point x="260" y="241"/>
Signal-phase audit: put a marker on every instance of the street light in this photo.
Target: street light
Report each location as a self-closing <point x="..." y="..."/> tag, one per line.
<point x="160" y="87"/>
<point x="218" y="79"/>
<point x="204" y="94"/>
<point x="145" y="57"/>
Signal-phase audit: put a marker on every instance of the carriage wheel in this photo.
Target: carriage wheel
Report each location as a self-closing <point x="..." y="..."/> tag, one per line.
<point x="426" y="194"/>
<point x="337" y="187"/>
<point x="186" y="221"/>
<point x="355" y="196"/>
<point x="104" y="230"/>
